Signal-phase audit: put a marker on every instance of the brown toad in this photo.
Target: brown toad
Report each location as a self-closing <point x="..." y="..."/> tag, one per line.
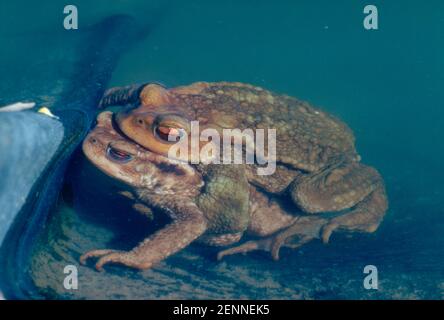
<point x="316" y="162"/>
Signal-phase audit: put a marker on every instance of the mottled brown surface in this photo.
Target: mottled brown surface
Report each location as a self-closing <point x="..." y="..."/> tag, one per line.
<point x="307" y="137"/>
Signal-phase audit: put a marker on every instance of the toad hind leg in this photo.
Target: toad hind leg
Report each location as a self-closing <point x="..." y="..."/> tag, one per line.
<point x="185" y="228"/>
<point x="345" y="186"/>
<point x="365" y="217"/>
<point x="301" y="231"/>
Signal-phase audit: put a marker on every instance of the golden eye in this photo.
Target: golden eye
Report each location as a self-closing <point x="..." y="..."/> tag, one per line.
<point x="169" y="134"/>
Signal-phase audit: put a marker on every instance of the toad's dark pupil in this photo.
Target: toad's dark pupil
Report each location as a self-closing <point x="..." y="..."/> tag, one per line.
<point x="118" y="155"/>
<point x="168" y="133"/>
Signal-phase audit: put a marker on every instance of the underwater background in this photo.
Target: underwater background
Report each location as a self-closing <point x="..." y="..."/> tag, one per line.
<point x="386" y="84"/>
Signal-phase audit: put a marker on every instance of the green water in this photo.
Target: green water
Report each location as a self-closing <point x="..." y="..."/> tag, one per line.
<point x="386" y="84"/>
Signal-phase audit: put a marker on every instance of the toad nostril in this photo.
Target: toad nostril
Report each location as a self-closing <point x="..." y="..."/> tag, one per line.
<point x="93" y="140"/>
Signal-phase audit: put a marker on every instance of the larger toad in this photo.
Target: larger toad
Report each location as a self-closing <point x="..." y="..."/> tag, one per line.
<point x="317" y="166"/>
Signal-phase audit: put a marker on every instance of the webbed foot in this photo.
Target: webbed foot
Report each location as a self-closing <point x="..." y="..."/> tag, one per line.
<point x="299" y="233"/>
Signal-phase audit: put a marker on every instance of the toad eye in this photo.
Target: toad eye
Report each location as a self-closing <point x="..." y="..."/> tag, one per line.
<point x="118" y="155"/>
<point x="169" y="134"/>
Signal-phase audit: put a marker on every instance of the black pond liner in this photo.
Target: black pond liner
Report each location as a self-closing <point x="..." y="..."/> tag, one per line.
<point x="96" y="51"/>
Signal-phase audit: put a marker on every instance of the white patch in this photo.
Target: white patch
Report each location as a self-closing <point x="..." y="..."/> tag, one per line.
<point x="19" y="106"/>
<point x="147" y="180"/>
<point x="139" y="168"/>
<point x="47" y="112"/>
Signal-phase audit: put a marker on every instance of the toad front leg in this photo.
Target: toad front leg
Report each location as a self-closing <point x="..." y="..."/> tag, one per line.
<point x="188" y="224"/>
